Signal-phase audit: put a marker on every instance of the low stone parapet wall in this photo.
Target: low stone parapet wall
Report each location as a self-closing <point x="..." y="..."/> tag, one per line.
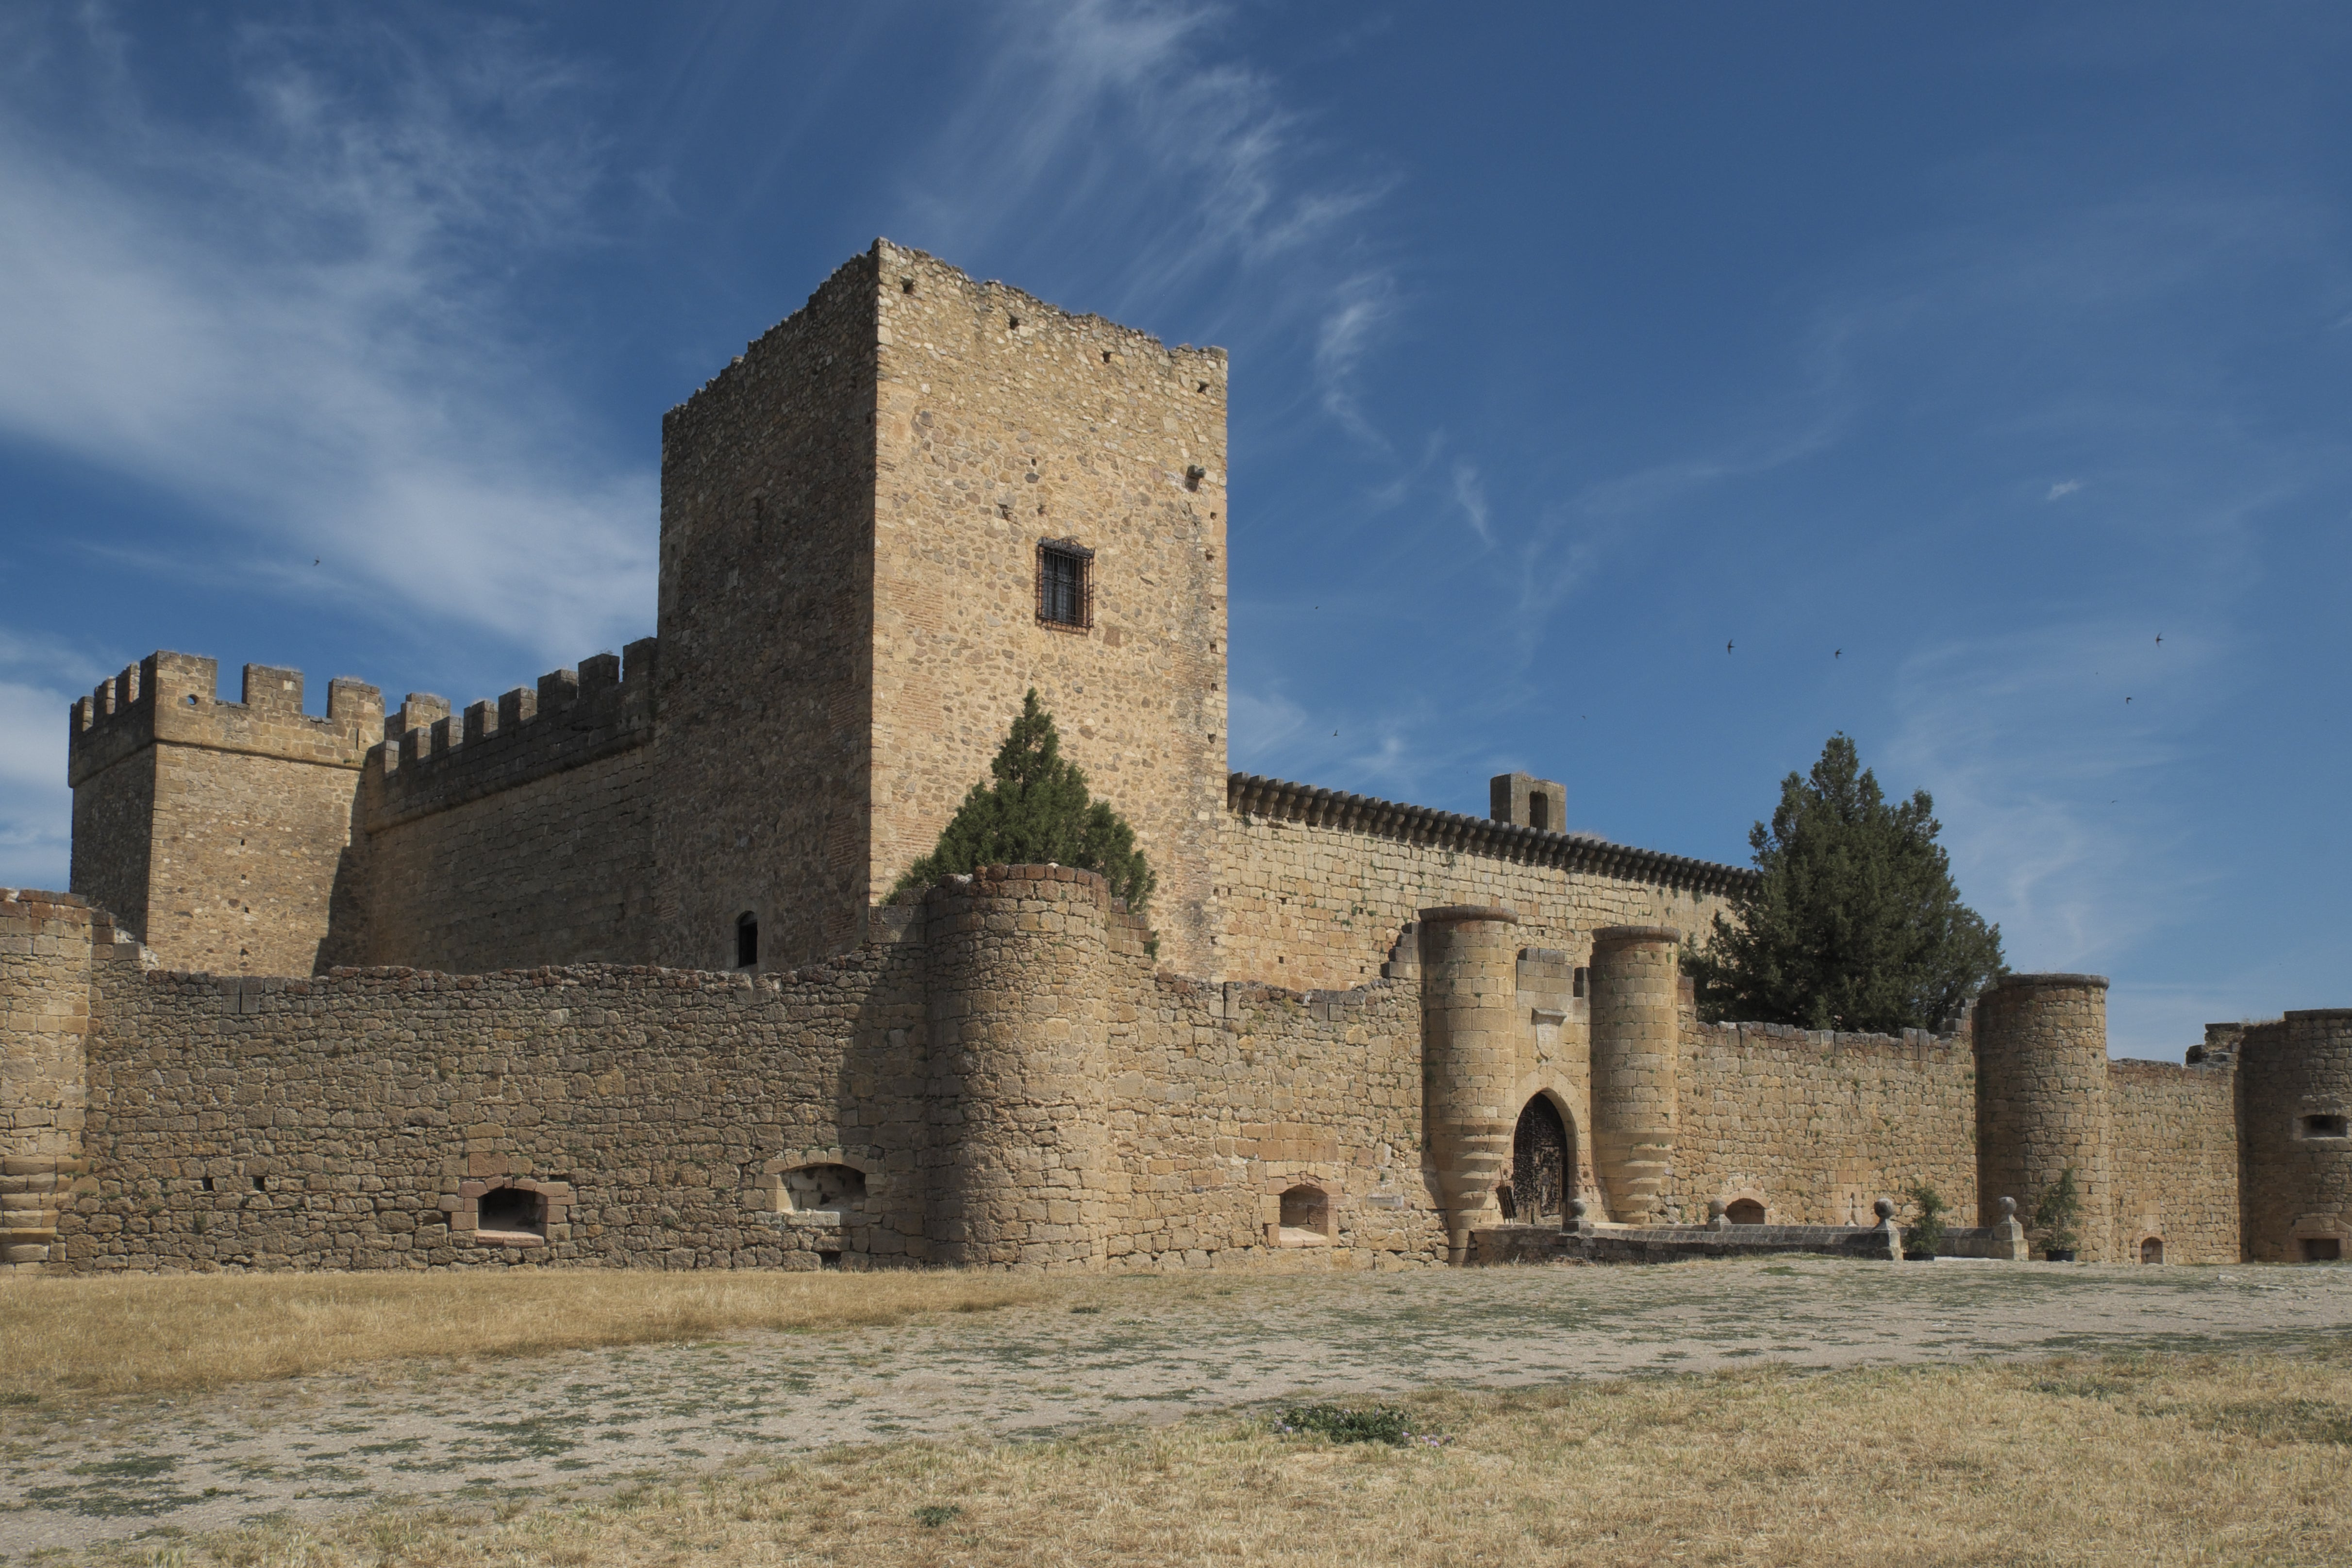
<point x="1677" y="1244"/>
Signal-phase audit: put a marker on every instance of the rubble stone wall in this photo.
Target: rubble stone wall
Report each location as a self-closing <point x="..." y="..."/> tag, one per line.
<point x="519" y="833"/>
<point x="356" y="1120"/>
<point x="1816" y="1125"/>
<point x="1005" y="422"/>
<point x="2173" y="1160"/>
<point x="2295" y="1108"/>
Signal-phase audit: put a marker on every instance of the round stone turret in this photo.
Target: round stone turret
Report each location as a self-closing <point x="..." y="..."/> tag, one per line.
<point x="2294" y="1088"/>
<point x="2042" y="1098"/>
<point x="1470" y="1035"/>
<point x="1020" y="1084"/>
<point x="45" y="981"/>
<point x="1636" y="1044"/>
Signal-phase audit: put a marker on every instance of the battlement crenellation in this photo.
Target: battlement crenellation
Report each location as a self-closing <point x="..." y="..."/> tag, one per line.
<point x="173" y="698"/>
<point x="431" y="758"/>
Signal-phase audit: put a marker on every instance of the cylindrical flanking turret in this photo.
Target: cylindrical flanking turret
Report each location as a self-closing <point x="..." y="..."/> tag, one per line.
<point x="1020" y="1066"/>
<point x="2295" y="1114"/>
<point x="1470" y="1046"/>
<point x="1636" y="1045"/>
<point x="2041" y="1098"/>
<point x="45" y="957"/>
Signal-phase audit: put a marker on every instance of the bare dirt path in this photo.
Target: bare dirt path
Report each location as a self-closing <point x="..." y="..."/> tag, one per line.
<point x="1104" y="1351"/>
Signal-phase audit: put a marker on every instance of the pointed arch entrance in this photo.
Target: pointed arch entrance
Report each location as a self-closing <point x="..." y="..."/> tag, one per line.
<point x="1543" y="1153"/>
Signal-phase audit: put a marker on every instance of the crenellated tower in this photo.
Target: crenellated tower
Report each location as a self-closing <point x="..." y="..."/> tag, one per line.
<point x="218" y="833"/>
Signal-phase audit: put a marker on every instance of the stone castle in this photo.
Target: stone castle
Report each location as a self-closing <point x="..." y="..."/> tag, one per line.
<point x="602" y="972"/>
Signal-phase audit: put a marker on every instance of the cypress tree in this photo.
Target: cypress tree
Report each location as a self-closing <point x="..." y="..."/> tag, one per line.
<point x="1854" y="922"/>
<point x="1038" y="810"/>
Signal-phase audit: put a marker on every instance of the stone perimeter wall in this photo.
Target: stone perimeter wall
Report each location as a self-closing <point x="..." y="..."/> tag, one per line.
<point x="1818" y="1125"/>
<point x="352" y="1119"/>
<point x="2174" y="1163"/>
<point x="1010" y="1079"/>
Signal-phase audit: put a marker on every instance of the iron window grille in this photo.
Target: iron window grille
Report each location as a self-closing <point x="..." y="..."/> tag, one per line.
<point x="1065" y="584"/>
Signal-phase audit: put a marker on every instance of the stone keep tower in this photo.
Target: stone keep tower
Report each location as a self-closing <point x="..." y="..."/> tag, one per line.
<point x="899" y="510"/>
<point x="2043" y="1100"/>
<point x="2294" y="1112"/>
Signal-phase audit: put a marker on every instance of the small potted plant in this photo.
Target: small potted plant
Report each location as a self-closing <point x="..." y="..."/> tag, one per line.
<point x="2057" y="1214"/>
<point x="1925" y="1236"/>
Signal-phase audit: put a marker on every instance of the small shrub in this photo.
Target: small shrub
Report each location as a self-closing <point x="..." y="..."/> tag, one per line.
<point x="932" y="1515"/>
<point x="1926" y="1233"/>
<point x="2058" y="1211"/>
<point x="1389" y="1424"/>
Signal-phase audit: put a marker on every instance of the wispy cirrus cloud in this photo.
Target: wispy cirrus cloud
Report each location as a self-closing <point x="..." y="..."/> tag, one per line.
<point x="2044" y="778"/>
<point x="1136" y="130"/>
<point x="289" y="319"/>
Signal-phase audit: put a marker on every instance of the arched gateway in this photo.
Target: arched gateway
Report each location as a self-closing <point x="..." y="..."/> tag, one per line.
<point x="1541" y="1158"/>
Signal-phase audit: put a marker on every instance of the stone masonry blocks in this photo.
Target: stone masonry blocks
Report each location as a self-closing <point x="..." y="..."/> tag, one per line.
<point x="1472" y="1051"/>
<point x="2042" y="1101"/>
<point x="1635" y="1047"/>
<point x="2295" y="1082"/>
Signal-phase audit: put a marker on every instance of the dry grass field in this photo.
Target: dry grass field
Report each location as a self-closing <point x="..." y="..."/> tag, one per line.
<point x="105" y="1337"/>
<point x="2146" y="1461"/>
<point x="1799" y="1411"/>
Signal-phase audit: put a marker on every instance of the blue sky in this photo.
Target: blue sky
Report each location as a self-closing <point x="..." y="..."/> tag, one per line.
<point x="1938" y="359"/>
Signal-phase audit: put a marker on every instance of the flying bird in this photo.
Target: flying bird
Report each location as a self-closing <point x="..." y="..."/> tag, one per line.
<point x="2159" y="639"/>
<point x="314" y="561"/>
<point x="1726" y="645"/>
<point x="1839" y="654"/>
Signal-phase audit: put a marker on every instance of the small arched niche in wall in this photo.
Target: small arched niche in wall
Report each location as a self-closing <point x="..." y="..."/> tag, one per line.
<point x="1303" y="1217"/>
<point x="1744" y="1211"/>
<point x="514" y="1211"/>
<point x="2151" y="1249"/>
<point x="821" y="1189"/>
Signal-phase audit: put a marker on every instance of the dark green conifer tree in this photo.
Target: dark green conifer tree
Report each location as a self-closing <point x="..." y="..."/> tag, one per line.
<point x="1855" y="923"/>
<point x="1037" y="811"/>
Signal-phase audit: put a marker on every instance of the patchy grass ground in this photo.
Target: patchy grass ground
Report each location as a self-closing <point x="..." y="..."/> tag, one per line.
<point x="2140" y="1460"/>
<point x="1133" y="1420"/>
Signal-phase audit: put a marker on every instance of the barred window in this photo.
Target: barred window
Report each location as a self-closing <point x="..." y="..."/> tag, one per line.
<point x="1065" y="584"/>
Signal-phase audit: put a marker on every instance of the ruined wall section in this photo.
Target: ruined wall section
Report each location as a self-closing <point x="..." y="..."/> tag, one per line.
<point x="2174" y="1160"/>
<point x="1004" y="421"/>
<point x="767" y="596"/>
<point x="518" y="833"/>
<point x="1816" y="1125"/>
<point x="1318" y="884"/>
<point x="219" y="832"/>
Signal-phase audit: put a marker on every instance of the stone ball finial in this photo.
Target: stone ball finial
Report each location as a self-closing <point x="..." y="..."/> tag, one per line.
<point x="1578" y="1208"/>
<point x="2008" y="1209"/>
<point x="1883" y="1208"/>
